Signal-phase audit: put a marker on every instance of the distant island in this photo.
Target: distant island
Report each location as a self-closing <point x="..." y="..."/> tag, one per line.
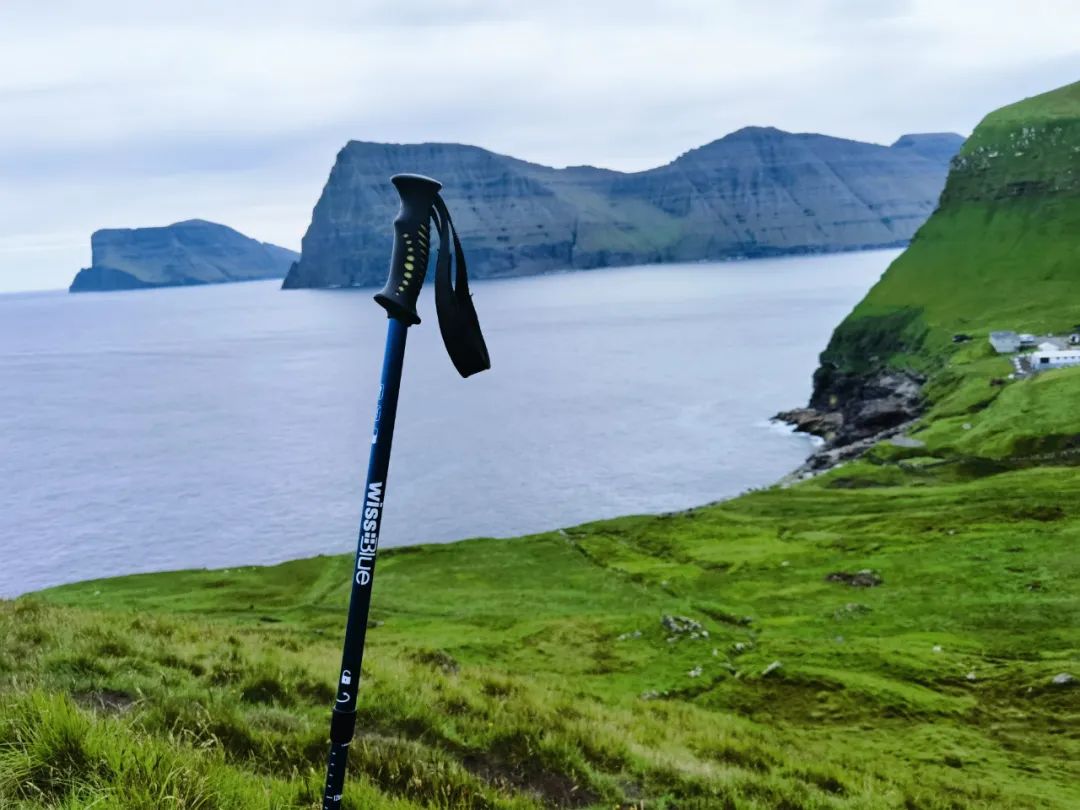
<point x="756" y="192"/>
<point x="181" y="254"/>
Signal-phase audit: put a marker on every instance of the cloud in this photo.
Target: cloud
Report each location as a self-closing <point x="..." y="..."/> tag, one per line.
<point x="125" y="113"/>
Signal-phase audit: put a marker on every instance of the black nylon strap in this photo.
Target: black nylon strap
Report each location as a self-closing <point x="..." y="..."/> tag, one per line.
<point x="458" y="322"/>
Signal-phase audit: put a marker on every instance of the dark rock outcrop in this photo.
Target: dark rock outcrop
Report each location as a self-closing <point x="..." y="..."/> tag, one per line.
<point x="825" y="424"/>
<point x="853" y="413"/>
<point x="185" y="253"/>
<point x="755" y="192"/>
<point x="865" y="578"/>
<point x="855" y="408"/>
<point x="870" y="405"/>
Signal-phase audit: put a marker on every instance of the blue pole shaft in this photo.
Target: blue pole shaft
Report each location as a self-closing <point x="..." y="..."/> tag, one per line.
<point x="343" y="720"/>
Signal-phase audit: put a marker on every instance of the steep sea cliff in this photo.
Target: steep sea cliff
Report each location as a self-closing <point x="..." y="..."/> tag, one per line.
<point x="1000" y="252"/>
<point x="181" y="254"/>
<point x="756" y="192"/>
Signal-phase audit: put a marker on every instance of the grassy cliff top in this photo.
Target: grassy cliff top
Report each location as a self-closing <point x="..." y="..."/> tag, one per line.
<point x="1001" y="252"/>
<point x="1050" y="107"/>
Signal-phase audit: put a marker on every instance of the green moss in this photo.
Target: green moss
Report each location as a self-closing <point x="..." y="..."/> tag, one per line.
<point x="867" y="342"/>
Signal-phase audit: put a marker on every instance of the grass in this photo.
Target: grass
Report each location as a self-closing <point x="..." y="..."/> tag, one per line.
<point x="536" y="672"/>
<point x="999" y="253"/>
<point x="543" y="672"/>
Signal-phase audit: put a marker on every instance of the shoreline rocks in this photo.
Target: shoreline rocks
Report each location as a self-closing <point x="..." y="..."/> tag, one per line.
<point x="856" y="413"/>
<point x="810" y="420"/>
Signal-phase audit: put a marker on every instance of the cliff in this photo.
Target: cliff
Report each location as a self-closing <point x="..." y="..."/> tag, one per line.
<point x="1001" y="252"/>
<point x="756" y="192"/>
<point x="185" y="253"/>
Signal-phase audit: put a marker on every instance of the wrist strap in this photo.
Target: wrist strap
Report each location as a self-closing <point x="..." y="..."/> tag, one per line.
<point x="458" y="322"/>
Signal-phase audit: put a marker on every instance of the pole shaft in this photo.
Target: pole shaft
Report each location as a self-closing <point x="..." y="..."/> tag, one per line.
<point x="344" y="713"/>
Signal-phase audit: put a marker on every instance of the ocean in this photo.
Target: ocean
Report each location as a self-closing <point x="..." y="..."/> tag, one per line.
<point x="230" y="425"/>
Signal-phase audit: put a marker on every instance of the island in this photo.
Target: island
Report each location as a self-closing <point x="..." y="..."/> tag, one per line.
<point x="181" y="254"/>
<point x="757" y="192"/>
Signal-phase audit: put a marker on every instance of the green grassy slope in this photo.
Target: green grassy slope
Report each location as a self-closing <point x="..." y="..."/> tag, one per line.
<point x="538" y="672"/>
<point x="1001" y="252"/>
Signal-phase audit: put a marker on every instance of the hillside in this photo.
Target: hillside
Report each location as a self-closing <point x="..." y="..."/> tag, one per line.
<point x="540" y="672"/>
<point x="184" y="253"/>
<point x="1001" y="252"/>
<point x="756" y="192"/>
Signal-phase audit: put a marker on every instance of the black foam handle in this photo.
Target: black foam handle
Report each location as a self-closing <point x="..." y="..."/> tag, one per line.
<point x="412" y="242"/>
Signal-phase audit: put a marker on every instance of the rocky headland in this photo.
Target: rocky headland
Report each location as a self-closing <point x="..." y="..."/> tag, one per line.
<point x="756" y="192"/>
<point x="1000" y="248"/>
<point x="853" y="413"/>
<point x="181" y="254"/>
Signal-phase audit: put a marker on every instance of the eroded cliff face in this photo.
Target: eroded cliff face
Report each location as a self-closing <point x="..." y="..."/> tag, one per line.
<point x="756" y="192"/>
<point x="185" y="253"/>
<point x="856" y="412"/>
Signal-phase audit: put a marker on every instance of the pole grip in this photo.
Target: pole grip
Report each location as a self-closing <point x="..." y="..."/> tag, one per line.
<point x="412" y="242"/>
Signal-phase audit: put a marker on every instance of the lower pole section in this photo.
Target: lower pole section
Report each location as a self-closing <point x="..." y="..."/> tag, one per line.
<point x="343" y="721"/>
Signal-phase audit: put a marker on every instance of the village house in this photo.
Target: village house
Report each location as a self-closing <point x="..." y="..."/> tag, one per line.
<point x="1056" y="358"/>
<point x="1005" y="342"/>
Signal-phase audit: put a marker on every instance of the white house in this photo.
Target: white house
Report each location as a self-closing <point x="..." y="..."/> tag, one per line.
<point x="1043" y="360"/>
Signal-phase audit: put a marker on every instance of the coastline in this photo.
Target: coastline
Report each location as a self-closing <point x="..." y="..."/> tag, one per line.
<point x="823" y="459"/>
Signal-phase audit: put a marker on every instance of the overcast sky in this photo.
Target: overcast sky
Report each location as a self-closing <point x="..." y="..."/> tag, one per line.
<point x="124" y="114"/>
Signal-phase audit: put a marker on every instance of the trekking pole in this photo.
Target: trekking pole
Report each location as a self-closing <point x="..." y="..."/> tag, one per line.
<point x="420" y="204"/>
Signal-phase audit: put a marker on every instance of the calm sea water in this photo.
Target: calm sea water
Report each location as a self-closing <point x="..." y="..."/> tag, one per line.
<point x="217" y="426"/>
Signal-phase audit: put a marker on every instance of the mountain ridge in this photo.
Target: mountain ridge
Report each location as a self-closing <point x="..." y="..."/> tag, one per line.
<point x="758" y="191"/>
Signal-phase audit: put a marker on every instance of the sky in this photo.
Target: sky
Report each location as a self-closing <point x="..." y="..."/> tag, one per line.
<point x="123" y="113"/>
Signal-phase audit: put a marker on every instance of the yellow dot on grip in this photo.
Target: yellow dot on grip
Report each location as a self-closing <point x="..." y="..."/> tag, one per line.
<point x="408" y="265"/>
